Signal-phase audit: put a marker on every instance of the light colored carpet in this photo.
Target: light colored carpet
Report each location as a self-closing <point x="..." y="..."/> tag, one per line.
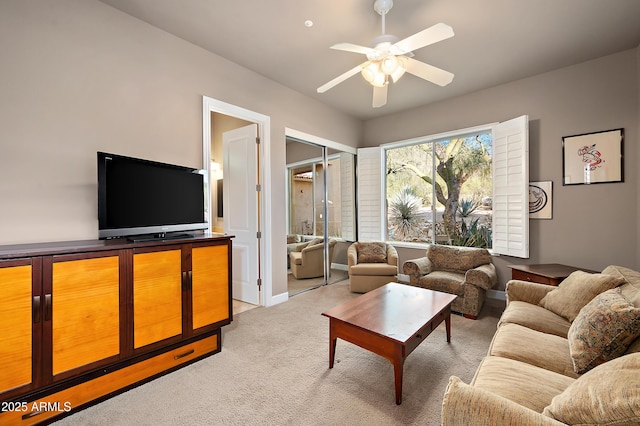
<point x="296" y="286"/>
<point x="273" y="370"/>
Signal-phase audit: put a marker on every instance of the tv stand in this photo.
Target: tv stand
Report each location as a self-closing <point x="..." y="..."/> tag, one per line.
<point x="161" y="236"/>
<point x="91" y="319"/>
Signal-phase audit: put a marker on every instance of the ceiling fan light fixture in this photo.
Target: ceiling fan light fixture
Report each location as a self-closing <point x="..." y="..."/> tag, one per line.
<point x="380" y="80"/>
<point x="400" y="69"/>
<point x="389" y="64"/>
<point x="369" y="71"/>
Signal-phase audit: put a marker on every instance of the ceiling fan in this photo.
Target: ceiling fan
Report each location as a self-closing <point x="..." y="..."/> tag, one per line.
<point x="389" y="58"/>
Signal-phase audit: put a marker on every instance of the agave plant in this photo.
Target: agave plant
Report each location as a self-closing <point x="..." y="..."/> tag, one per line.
<point x="405" y="221"/>
<point x="466" y="207"/>
<point x="473" y="236"/>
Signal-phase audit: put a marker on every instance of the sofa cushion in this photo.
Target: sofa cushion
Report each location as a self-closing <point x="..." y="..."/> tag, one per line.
<point x="293" y="238"/>
<point x="373" y="269"/>
<point x="616" y="401"/>
<point x="527" y="385"/>
<point x="576" y="291"/>
<point x="603" y="330"/>
<point x="533" y="347"/>
<point x="465" y="405"/>
<point x="631" y="288"/>
<point x="453" y="258"/>
<point x="534" y="317"/>
<point x="315" y="241"/>
<point x="445" y="281"/>
<point x="372" y="253"/>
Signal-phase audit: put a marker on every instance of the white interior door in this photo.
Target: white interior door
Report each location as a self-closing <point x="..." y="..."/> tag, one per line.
<point x="240" y="208"/>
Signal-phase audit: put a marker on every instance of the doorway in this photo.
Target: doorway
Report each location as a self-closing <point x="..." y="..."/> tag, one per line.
<point x="254" y="261"/>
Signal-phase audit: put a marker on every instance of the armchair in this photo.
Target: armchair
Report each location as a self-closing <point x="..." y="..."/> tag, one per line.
<point x="371" y="265"/>
<point x="464" y="271"/>
<point x="307" y="261"/>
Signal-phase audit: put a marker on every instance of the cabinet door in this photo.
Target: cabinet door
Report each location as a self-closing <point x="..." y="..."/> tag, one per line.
<point x="210" y="285"/>
<point x="16" y="351"/>
<point x="157" y="296"/>
<point x="84" y="310"/>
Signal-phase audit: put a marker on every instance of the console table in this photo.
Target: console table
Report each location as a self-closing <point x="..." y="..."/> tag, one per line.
<point x="85" y="320"/>
<point x="547" y="273"/>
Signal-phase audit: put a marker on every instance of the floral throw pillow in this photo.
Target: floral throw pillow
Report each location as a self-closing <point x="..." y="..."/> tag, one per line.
<point x="372" y="253"/>
<point x="603" y="330"/>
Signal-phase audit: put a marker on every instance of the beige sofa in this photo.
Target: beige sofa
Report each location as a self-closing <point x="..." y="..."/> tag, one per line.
<point x="567" y="357"/>
<point x="371" y="265"/>
<point x="307" y="261"/>
<point x="464" y="271"/>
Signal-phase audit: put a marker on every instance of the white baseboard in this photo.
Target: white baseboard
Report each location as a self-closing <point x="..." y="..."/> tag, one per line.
<point x="496" y="294"/>
<point x="278" y="298"/>
<point x="403" y="278"/>
<point x="340" y="266"/>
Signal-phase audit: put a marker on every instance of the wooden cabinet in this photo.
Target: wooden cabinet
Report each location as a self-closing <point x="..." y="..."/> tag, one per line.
<point x="548" y="273"/>
<point x="16" y="323"/>
<point x="86" y="319"/>
<point x="157" y="296"/>
<point x="210" y="292"/>
<point x="82" y="311"/>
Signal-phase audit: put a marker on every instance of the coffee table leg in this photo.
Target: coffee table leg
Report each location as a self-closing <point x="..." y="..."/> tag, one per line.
<point x="398" y="366"/>
<point x="332" y="344"/>
<point x="447" y="324"/>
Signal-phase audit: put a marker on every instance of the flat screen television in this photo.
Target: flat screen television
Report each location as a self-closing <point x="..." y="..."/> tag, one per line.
<point x="143" y="199"/>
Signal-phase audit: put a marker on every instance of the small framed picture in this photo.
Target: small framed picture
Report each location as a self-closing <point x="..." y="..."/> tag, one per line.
<point x="593" y="158"/>
<point x="540" y="200"/>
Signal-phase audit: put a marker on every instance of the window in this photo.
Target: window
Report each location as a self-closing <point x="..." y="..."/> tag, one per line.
<point x="485" y="202"/>
<point x="440" y="191"/>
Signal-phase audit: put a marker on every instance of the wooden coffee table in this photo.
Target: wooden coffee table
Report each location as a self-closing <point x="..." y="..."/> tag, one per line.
<point x="390" y="321"/>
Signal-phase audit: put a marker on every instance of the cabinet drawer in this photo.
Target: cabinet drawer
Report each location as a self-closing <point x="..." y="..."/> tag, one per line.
<point x="76" y="396"/>
<point x="527" y="276"/>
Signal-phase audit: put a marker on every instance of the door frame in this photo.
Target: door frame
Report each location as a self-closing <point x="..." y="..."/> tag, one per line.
<point x="210" y="105"/>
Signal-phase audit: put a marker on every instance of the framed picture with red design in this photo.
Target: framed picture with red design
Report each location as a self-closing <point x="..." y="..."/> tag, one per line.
<point x="593" y="158"/>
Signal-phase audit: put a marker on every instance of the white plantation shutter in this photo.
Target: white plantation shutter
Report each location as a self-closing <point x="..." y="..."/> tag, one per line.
<point x="511" y="187"/>
<point x="347" y="191"/>
<point x="370" y="194"/>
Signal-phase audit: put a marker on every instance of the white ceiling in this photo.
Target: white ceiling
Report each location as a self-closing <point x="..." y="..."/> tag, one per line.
<point x="496" y="41"/>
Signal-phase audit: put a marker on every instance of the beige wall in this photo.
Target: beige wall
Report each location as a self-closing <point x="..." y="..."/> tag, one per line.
<point x="593" y="225"/>
<point x="79" y="76"/>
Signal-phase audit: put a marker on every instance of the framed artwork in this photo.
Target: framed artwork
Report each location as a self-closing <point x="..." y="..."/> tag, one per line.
<point x="593" y="158"/>
<point x="540" y="200"/>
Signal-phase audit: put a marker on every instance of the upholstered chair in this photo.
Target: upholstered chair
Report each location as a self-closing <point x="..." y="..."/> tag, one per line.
<point x="371" y="265"/>
<point x="307" y="261"/>
<point x="464" y="271"/>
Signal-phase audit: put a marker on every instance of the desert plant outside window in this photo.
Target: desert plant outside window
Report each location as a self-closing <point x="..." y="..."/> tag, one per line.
<point x="471" y="187"/>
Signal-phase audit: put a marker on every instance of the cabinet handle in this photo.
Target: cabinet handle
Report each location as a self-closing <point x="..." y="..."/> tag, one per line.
<point x="47" y="307"/>
<point x="186" y="280"/>
<point x="189" y="352"/>
<point x="36" y="309"/>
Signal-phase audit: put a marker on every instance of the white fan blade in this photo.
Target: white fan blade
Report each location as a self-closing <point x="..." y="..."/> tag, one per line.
<point x="340" y="78"/>
<point x="431" y="35"/>
<point x="379" y="96"/>
<point x="429" y="72"/>
<point x="349" y="47"/>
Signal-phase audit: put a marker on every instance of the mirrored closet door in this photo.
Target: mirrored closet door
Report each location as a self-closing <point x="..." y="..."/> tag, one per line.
<point x="320" y="202"/>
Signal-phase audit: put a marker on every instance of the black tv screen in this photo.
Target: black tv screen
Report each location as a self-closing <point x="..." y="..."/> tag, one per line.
<point x="142" y="197"/>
